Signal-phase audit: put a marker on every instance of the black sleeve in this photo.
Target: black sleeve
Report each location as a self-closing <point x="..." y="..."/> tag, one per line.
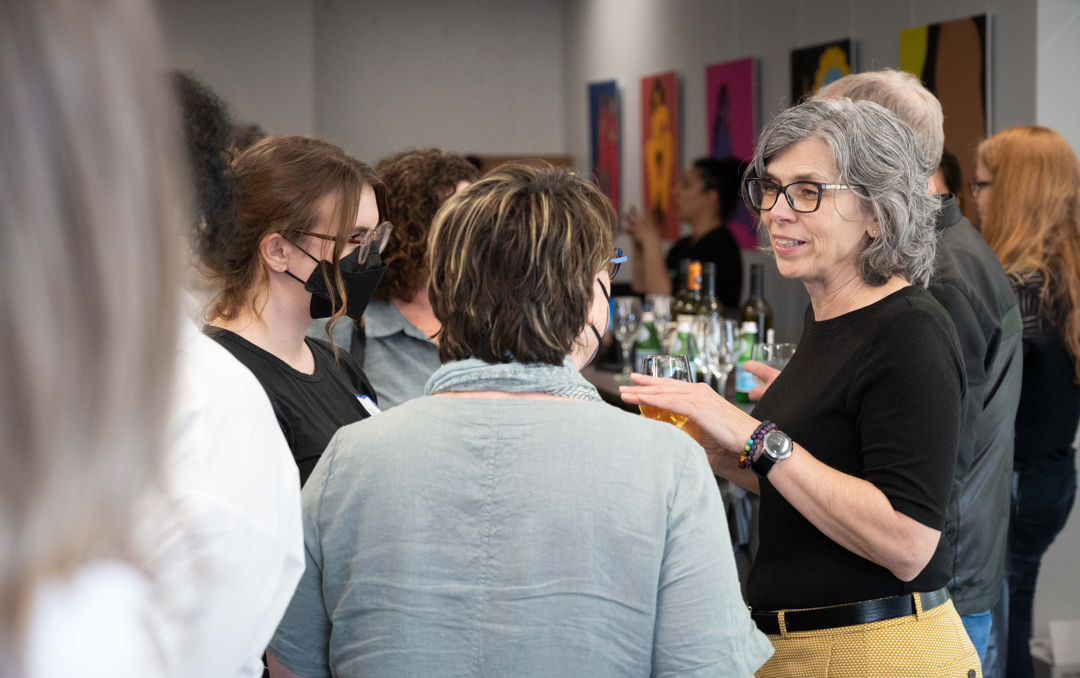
<point x="680" y="250"/>
<point x="908" y="393"/>
<point x="974" y="347"/>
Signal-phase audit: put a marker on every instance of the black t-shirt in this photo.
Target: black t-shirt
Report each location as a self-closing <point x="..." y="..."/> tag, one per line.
<point x="718" y="246"/>
<point x="309" y="407"/>
<point x="876" y="393"/>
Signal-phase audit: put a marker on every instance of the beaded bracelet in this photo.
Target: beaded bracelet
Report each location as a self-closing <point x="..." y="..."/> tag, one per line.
<point x="750" y="450"/>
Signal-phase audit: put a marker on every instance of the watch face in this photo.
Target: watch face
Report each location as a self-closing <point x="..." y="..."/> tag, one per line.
<point x="777" y="445"/>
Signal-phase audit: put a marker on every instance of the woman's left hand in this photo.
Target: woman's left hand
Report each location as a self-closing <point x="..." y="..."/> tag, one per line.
<point x="722" y="427"/>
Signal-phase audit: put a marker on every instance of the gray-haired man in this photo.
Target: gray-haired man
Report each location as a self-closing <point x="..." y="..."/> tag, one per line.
<point x="970" y="283"/>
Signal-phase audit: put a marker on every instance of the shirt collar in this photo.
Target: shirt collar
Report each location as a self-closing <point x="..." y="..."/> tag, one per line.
<point x="950" y="213"/>
<point x="382" y="319"/>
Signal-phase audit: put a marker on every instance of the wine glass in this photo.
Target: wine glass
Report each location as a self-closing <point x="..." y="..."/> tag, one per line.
<point x="626" y="322"/>
<point x="773" y="355"/>
<point x="713" y="358"/>
<point x="666" y="367"/>
<point x="660" y="305"/>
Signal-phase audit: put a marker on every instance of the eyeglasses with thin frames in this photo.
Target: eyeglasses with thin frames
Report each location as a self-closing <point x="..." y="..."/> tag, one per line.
<point x="803" y="196"/>
<point x="977" y="186"/>
<point x="370" y="239"/>
<point x="616" y="263"/>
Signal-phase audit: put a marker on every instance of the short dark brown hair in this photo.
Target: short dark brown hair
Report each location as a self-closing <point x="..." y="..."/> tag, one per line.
<point x="417" y="184"/>
<point x="512" y="260"/>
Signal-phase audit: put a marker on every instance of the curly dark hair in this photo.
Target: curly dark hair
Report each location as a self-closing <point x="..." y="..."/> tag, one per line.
<point x="417" y="184"/>
<point x="208" y="132"/>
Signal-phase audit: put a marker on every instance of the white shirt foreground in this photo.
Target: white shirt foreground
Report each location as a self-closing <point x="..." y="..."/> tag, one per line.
<point x="223" y="544"/>
<point x="230" y="554"/>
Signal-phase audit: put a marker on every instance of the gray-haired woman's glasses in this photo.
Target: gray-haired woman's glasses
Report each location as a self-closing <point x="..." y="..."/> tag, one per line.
<point x="803" y="196"/>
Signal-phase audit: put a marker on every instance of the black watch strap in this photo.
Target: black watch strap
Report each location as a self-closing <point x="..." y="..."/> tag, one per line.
<point x="762" y="465"/>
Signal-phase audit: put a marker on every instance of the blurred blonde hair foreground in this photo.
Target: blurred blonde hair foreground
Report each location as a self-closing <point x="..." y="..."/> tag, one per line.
<point x="90" y="210"/>
<point x="1033" y="218"/>
<point x="512" y="260"/>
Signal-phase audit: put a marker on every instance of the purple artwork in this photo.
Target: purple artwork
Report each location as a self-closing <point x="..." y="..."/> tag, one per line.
<point x="731" y="116"/>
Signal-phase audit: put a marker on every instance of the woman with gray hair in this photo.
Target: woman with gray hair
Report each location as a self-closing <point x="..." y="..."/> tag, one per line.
<point x="852" y="447"/>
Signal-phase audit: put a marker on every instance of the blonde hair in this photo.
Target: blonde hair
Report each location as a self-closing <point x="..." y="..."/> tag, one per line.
<point x="512" y="260"/>
<point x="1032" y="221"/>
<point x="903" y="94"/>
<point x="89" y="231"/>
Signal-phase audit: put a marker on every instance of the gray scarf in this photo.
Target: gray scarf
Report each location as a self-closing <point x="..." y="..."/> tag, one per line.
<point x="474" y="374"/>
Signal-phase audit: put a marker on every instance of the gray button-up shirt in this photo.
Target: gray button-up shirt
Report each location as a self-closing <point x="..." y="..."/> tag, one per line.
<point x="398" y="357"/>
<point x="475" y="537"/>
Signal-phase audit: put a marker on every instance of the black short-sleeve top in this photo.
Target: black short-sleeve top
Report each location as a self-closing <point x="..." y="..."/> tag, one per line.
<point x="310" y="407"/>
<point x="876" y="393"/>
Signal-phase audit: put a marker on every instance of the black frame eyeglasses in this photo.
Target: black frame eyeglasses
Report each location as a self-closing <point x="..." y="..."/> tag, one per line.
<point x="755" y="193"/>
<point x="616" y="263"/>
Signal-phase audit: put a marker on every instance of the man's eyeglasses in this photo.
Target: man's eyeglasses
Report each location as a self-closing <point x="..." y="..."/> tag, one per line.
<point x="369" y="239"/>
<point x="803" y="196"/>
<point x="977" y="186"/>
<point x="615" y="264"/>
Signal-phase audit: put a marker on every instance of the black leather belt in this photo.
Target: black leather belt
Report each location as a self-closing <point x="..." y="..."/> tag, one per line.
<point x="847" y="615"/>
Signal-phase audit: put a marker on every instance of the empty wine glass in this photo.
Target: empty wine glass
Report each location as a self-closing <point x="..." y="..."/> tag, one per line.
<point x="660" y="305"/>
<point x="714" y="357"/>
<point x="626" y="323"/>
<point x="773" y="355"/>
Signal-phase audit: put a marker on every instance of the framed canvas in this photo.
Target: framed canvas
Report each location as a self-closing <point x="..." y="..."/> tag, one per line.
<point x="605" y="126"/>
<point x="731" y="115"/>
<point x="660" y="131"/>
<point x="953" y="61"/>
<point x="814" y="67"/>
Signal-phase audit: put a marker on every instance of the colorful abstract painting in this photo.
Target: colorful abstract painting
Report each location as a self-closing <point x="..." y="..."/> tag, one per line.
<point x="951" y="60"/>
<point x="731" y="109"/>
<point x="660" y="148"/>
<point x="605" y="124"/>
<point x="814" y="67"/>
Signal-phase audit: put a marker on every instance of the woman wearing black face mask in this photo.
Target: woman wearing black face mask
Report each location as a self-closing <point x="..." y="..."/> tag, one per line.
<point x="306" y="245"/>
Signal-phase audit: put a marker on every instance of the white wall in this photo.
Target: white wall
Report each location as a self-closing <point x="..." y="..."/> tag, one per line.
<point x="475" y="76"/>
<point x="626" y="39"/>
<point x="257" y="54"/>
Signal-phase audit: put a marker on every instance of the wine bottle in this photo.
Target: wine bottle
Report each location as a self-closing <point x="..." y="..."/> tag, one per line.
<point x="649" y="340"/>
<point x="709" y="304"/>
<point x="756" y="309"/>
<point x="688" y="304"/>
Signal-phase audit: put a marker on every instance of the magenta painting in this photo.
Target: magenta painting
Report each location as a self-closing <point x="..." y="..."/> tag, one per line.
<point x="731" y="115"/>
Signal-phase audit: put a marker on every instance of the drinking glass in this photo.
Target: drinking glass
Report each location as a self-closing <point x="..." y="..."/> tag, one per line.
<point x="714" y="350"/>
<point x="626" y="323"/>
<point x="666" y="367"/>
<point x="660" y="305"/>
<point x="773" y="355"/>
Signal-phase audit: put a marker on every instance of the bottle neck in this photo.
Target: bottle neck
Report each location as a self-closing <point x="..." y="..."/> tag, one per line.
<point x="757" y="283"/>
<point x="710" y="284"/>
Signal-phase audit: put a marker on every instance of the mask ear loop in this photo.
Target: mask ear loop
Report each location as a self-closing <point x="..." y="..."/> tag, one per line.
<point x="599" y="338"/>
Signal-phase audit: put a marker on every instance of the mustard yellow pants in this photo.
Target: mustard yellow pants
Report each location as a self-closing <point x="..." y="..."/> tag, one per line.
<point x="927" y="644"/>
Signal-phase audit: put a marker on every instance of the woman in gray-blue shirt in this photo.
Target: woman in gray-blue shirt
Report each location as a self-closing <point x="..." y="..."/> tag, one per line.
<point x="509" y="522"/>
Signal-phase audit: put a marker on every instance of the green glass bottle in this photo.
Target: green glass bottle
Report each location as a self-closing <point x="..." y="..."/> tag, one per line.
<point x="744" y="381"/>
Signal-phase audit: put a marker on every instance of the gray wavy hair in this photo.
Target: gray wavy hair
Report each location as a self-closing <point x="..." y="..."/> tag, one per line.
<point x="871" y="148"/>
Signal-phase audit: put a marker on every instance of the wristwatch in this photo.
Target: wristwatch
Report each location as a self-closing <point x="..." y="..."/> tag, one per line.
<point x="776" y="447"/>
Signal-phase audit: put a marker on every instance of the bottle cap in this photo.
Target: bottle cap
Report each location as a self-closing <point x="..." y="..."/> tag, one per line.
<point x="749" y="327"/>
<point x="770" y="336"/>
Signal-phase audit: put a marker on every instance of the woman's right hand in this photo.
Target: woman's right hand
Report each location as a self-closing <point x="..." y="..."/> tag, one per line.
<point x="642" y="229"/>
<point x="717" y="425"/>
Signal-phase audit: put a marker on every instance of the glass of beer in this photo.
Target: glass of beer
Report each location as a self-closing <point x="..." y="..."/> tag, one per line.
<point x="666" y="367"/>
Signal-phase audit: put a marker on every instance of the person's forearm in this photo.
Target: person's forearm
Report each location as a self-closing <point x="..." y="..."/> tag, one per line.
<point x="855" y="514"/>
<point x="726" y="465"/>
<point x="653" y="277"/>
<point x="278" y="670"/>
